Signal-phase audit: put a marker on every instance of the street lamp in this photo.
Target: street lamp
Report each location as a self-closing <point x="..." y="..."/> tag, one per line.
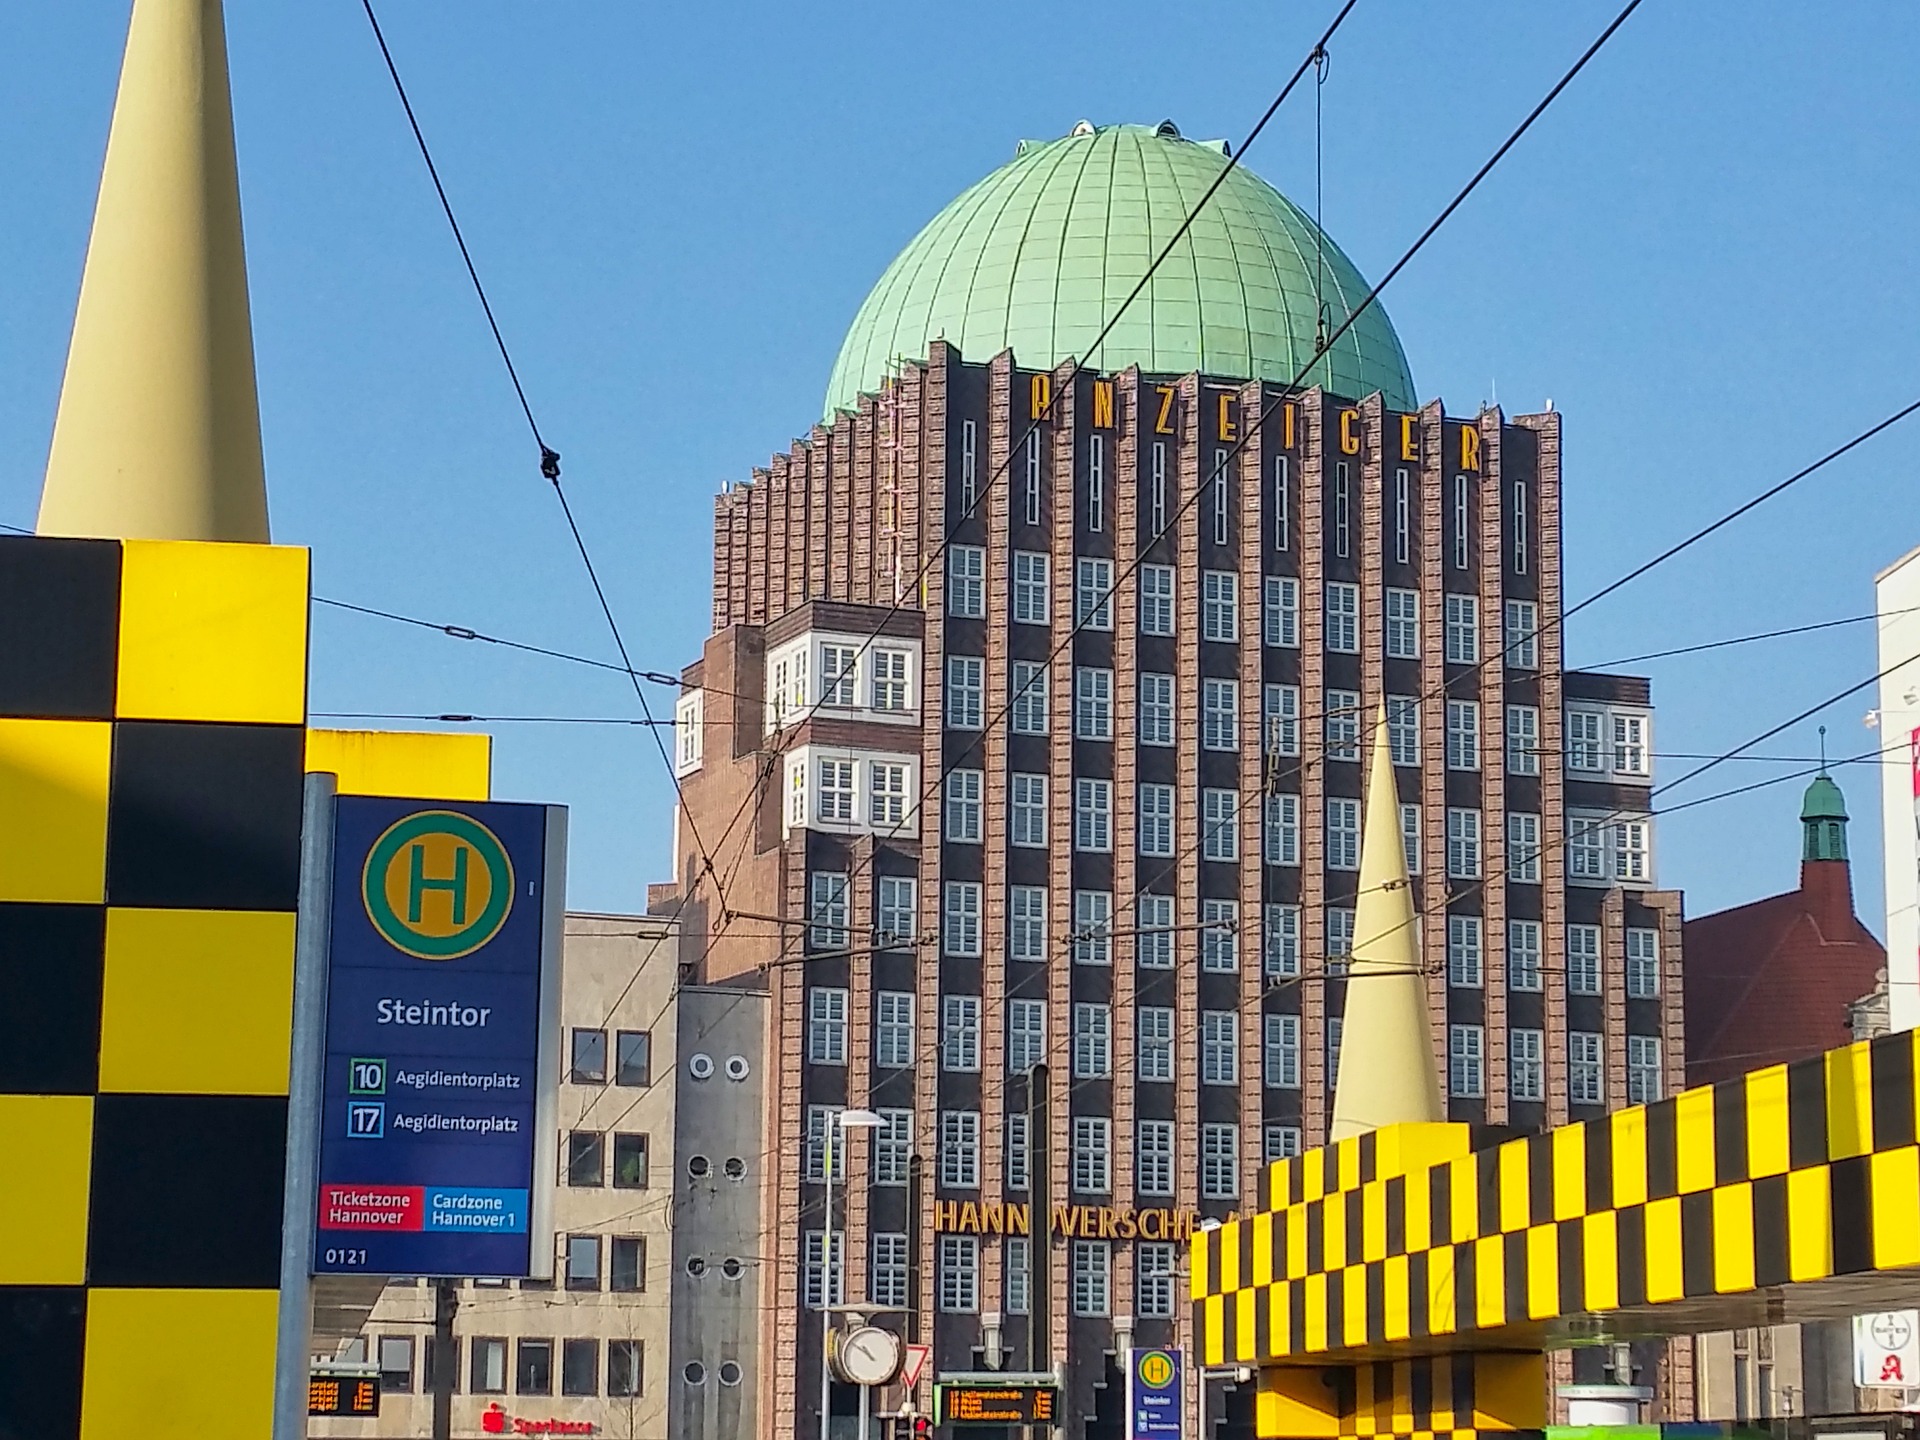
<point x="841" y="1120"/>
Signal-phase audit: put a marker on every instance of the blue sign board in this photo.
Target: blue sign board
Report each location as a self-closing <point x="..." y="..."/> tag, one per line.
<point x="1154" y="1409"/>
<point x="438" y="1139"/>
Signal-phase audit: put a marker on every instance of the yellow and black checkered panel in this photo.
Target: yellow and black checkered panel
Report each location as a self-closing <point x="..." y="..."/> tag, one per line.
<point x="1424" y="1395"/>
<point x="152" y="710"/>
<point x="1665" y="1218"/>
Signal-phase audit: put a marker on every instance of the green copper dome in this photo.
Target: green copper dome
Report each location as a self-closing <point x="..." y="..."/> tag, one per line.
<point x="1039" y="254"/>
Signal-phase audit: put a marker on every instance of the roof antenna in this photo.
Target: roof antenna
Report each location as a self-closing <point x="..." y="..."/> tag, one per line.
<point x="1823" y="749"/>
<point x="1322" y="62"/>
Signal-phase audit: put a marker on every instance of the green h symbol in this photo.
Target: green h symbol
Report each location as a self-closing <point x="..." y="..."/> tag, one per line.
<point x="418" y="882"/>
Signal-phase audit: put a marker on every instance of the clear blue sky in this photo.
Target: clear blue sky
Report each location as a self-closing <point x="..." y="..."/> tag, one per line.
<point x="1703" y="254"/>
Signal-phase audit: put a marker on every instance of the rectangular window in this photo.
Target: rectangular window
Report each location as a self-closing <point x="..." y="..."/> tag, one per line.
<point x="1526" y="1065"/>
<point x="1027" y="810"/>
<point x="627" y="1270"/>
<point x="1523" y="847"/>
<point x="961" y="908"/>
<point x="625" y="1371"/>
<point x="1280" y="940"/>
<point x="1632" y="861"/>
<point x="1280" y="838"/>
<point x="896" y="922"/>
<point x="1342" y="509"/>
<point x="887" y="1274"/>
<point x="1157" y="491"/>
<point x="966" y="692"/>
<point x="1463" y="844"/>
<point x="1018" y="1151"/>
<point x="1027" y="706"/>
<point x="1093" y="815"/>
<point x="1220" y="715"/>
<point x="1280" y="719"/>
<point x="1219" y="1162"/>
<point x="963" y="806"/>
<point x="630" y="1162"/>
<point x="969" y="464"/>
<point x="1154" y="1158"/>
<point x="1093" y="594"/>
<point x="1220" y="605"/>
<point x="1033" y="476"/>
<point x="1155" y="710"/>
<point x="1466" y="1061"/>
<point x="1585" y="750"/>
<point x="957" y="1277"/>
<point x="488" y="1373"/>
<point x="886" y="794"/>
<point x="394" y="1355"/>
<point x="797" y="793"/>
<point x="1027" y="924"/>
<point x="1403" y="624"/>
<point x="1092" y="704"/>
<point x="1220" y="828"/>
<point x="588" y="1049"/>
<point x="1643" y="963"/>
<point x="1030" y="602"/>
<point x="1222" y="502"/>
<point x="1026" y="1035"/>
<point x="1339" y="937"/>
<point x="960" y="1149"/>
<point x="1410" y="836"/>
<point x="1463" y="630"/>
<point x="819" y="1149"/>
<point x="1585" y="1082"/>
<point x="1093" y="927"/>
<point x="1153" y="1278"/>
<point x="835" y="789"/>
<point x="1343" y="833"/>
<point x="1092" y="1278"/>
<point x="1220" y="936"/>
<point x="1586" y="846"/>
<point x="892" y="1148"/>
<point x="1403" y="729"/>
<point x="1282" y="504"/>
<point x="1279" y="1142"/>
<point x="1018" y="1258"/>
<point x="1464" y="958"/>
<point x="889" y="687"/>
<point x="1343" y="618"/>
<point x="1096" y="483"/>
<point x="1630" y="744"/>
<point x="1462" y="520"/>
<point x="1523" y="740"/>
<point x="583" y="1262"/>
<point x="1643" y="1070"/>
<point x="1092" y="1041"/>
<point x="1343" y="724"/>
<point x="1092" y="1155"/>
<point x="1463" y="734"/>
<point x="1155" y="1025"/>
<point x="1281" y="1067"/>
<point x="1153" y="922"/>
<point x="821" y="1270"/>
<point x="1219" y="1047"/>
<point x="1583" y="959"/>
<point x="960" y="1033"/>
<point x="1522" y="636"/>
<point x="532" y="1368"/>
<point x="1523" y="955"/>
<point x="1280" y="625"/>
<point x="1402" y="516"/>
<point x="967" y="582"/>
<point x="1519" y="527"/>
<point x="586" y="1158"/>
<point x="633" y="1057"/>
<point x="1156" y="600"/>
<point x="838" y="673"/>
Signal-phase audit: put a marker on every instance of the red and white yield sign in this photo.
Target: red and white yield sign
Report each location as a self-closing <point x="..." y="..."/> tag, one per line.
<point x="914" y="1364"/>
<point x="1886" y="1349"/>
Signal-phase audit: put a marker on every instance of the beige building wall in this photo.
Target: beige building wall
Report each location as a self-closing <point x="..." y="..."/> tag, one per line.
<point x="619" y="979"/>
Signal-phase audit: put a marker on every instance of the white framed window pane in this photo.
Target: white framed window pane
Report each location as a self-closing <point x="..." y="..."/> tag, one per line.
<point x="1523" y="847"/>
<point x="1280" y="623"/>
<point x="893" y="1147"/>
<point x="1526" y="1065"/>
<point x="1093" y="815"/>
<point x="1093" y="927"/>
<point x="888" y="690"/>
<point x="1463" y="735"/>
<point x="1585" y="1077"/>
<point x="1583" y="959"/>
<point x="1155" y="709"/>
<point x="957" y="1274"/>
<point x="1410" y="836"/>
<point x="1156" y="599"/>
<point x="893" y="1028"/>
<point x="1522" y="634"/>
<point x="1028" y="703"/>
<point x="1093" y="594"/>
<point x="1343" y="617"/>
<point x="1155" y="1268"/>
<point x="1523" y="740"/>
<point x="963" y="789"/>
<point x="1220" y="605"/>
<point x="827" y="909"/>
<point x="966" y="692"/>
<point x="1220" y="824"/>
<point x="1220" y="936"/>
<point x="1027" y="810"/>
<point x="1343" y="833"/>
<point x="960" y="1149"/>
<point x="1220" y="715"/>
<point x="1220" y="1162"/>
<point x="1092" y="703"/>
<point x="887" y="794"/>
<point x="1154" y="1158"/>
<point x="1465" y="968"/>
<point x="1585" y="748"/>
<point x="1280" y="1067"/>
<point x="1643" y="1070"/>
<point x="1523" y="955"/>
<point x="1154" y="1033"/>
<point x="1091" y="1167"/>
<point x="1463" y="629"/>
<point x="1466" y="1061"/>
<point x="1219" y="1047"/>
<point x="1092" y="1278"/>
<point x="1026" y="1034"/>
<point x="1092" y="1041"/>
<point x="1343" y="724"/>
<point x="1027" y="924"/>
<point x="1281" y="829"/>
<point x="1281" y="940"/>
<point x="1463" y="844"/>
<point x="1031" y="605"/>
<point x="960" y="1033"/>
<point x="1403" y="729"/>
<point x="826" y="1025"/>
<point x="961" y="914"/>
<point x="1153" y="925"/>
<point x="1154" y="824"/>
<point x="1403" y="624"/>
<point x="967" y="582"/>
<point x="1643" y="963"/>
<point x="1280" y="719"/>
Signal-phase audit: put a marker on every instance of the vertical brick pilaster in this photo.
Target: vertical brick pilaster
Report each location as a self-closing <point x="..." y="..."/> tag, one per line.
<point x="860" y="571"/>
<point x="819" y="516"/>
<point x="840" y="509"/>
<point x="773" y="578"/>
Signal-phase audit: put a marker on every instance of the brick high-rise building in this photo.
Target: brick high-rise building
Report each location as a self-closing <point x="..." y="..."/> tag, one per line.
<point x="1088" y="793"/>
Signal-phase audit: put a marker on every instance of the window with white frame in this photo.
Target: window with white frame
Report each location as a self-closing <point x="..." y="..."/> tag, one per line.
<point x="1033" y="496"/>
<point x="1586" y="846"/>
<point x="1280" y="612"/>
<point x="1522" y="635"/>
<point x="893" y="1148"/>
<point x="1523" y="740"/>
<point x="1092" y="1041"/>
<point x="1280" y="719"/>
<point x="1410" y="837"/>
<point x="1219" y="1047"/>
<point x="1343" y="833"/>
<point x="1092" y="1278"/>
<point x="1096" y="483"/>
<point x="826" y="1025"/>
<point x="1342" y="509"/>
<point x="838" y="675"/>
<point x="1219" y="1162"/>
<point x="688" y="724"/>
<point x="1153" y="1158"/>
<point x="961" y="912"/>
<point x="1019" y="1152"/>
<point x="896" y="921"/>
<point x="1343" y="617"/>
<point x="1630" y="744"/>
<point x="1154" y="716"/>
<point x="1280" y="1067"/>
<point x="1462" y="521"/>
<point x="1279" y="1142"/>
<point x="1523" y="847"/>
<point x="967" y="582"/>
<point x="1092" y="815"/>
<point x="822" y="1270"/>
<point x="1643" y="963"/>
<point x="966" y="692"/>
<point x="1154" y="1024"/>
<point x="888" y="688"/>
<point x="1465" y="967"/>
<point x="1643" y="1070"/>
<point x="1343" y="724"/>
<point x="1092" y="703"/>
<point x="960" y="1149"/>
<point x="1093" y="927"/>
<point x="1463" y="734"/>
<point x="957" y="1274"/>
<point x="1027" y="810"/>
<point x="1403" y="624"/>
<point x="963" y="791"/>
<point x="1017" y="1255"/>
<point x="1153" y="1277"/>
<point x="1026" y="1035"/>
<point x="1519" y="530"/>
<point x="1156" y="600"/>
<point x="1093" y="594"/>
<point x="1583" y="959"/>
<point x="1220" y="824"/>
<point x="1157" y="490"/>
<point x="893" y="1028"/>
<point x="1280" y="840"/>
<point x="1027" y="923"/>
<point x="887" y="1275"/>
<point x="1282" y="503"/>
<point x="834" y="789"/>
<point x="827" y="909"/>
<point x="1463" y="844"/>
<point x="1153" y="938"/>
<point x="1220" y="936"/>
<point x="1092" y="1155"/>
<point x="1403" y="729"/>
<point x="1222" y="500"/>
<point x="1586" y="750"/>
<point x="1220" y="715"/>
<point x="1632" y="851"/>
<point x="887" y="794"/>
<point x="1523" y="955"/>
<point x="1526" y="1064"/>
<point x="960" y="1033"/>
<point x="1335" y="1025"/>
<point x="1466" y="1061"/>
<point x="818" y="1153"/>
<point x="1280" y="940"/>
<point x="1219" y="605"/>
<point x="969" y="463"/>
<point x="1586" y="1084"/>
<point x="1339" y="937"/>
<point x="1402" y="515"/>
<point x="1463" y="629"/>
<point x="1027" y="706"/>
<point x="1031" y="605"/>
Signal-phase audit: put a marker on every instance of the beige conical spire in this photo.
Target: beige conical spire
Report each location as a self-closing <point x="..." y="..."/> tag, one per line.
<point x="1386" y="1074"/>
<point x="158" y="434"/>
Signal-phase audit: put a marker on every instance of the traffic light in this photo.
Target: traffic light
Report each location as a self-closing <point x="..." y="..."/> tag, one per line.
<point x="923" y="1427"/>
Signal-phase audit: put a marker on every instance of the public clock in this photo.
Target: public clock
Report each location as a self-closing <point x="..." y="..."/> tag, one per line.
<point x="868" y="1355"/>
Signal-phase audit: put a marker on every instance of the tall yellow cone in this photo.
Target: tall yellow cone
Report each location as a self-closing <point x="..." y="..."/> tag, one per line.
<point x="1386" y="1074"/>
<point x="158" y="433"/>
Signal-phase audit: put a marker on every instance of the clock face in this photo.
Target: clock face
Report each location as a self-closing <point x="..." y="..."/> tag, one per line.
<point x="870" y="1355"/>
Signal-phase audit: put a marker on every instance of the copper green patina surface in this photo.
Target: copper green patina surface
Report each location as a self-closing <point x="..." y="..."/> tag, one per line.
<point x="1040" y="253"/>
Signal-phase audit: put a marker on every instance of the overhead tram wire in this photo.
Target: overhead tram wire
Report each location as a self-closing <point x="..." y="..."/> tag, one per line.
<point x="1746" y="639"/>
<point x="549" y="457"/>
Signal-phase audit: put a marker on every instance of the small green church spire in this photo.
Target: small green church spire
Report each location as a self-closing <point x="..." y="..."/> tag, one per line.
<point x="1823" y="815"/>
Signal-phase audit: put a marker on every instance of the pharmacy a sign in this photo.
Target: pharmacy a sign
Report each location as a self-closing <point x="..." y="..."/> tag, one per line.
<point x="1886" y="1349"/>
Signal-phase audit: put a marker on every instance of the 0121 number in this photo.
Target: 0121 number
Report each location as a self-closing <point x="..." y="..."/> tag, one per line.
<point x="335" y="1256"/>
